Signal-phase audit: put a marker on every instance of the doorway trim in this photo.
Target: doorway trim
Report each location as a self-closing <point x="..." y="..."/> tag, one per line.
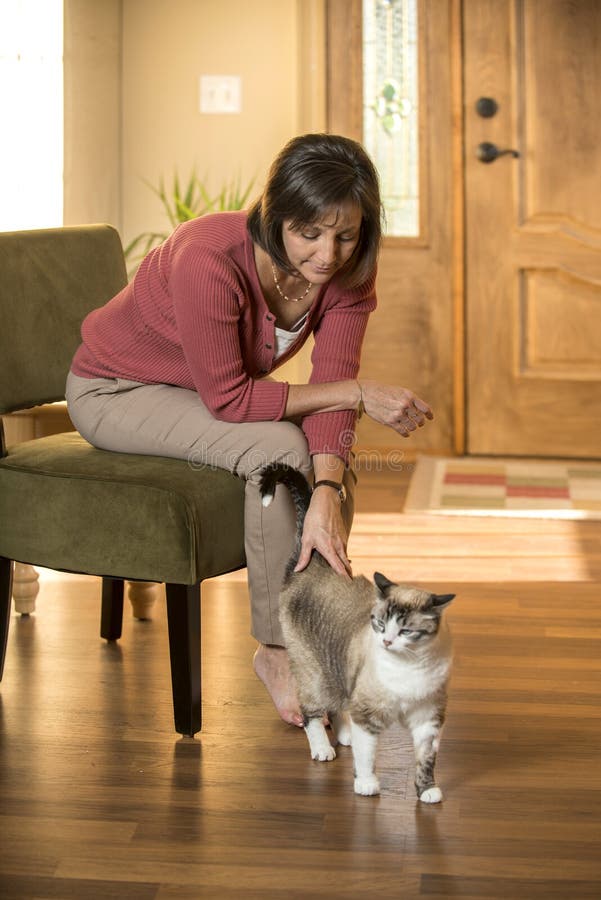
<point x="458" y="291"/>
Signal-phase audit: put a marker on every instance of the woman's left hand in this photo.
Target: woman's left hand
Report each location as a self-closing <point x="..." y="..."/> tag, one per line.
<point x="324" y="531"/>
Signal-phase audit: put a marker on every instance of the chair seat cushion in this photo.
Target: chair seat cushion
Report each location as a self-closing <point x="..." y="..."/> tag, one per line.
<point x="67" y="505"/>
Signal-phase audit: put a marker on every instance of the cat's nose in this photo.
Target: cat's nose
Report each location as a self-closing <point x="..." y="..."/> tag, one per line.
<point x="386" y="643"/>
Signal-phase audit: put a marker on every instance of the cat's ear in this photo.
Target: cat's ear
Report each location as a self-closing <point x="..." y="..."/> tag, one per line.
<point x="382" y="583"/>
<point x="441" y="601"/>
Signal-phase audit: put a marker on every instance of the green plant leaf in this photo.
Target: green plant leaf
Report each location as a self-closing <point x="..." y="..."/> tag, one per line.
<point x="182" y="207"/>
<point x="189" y="195"/>
<point x="184" y="213"/>
<point x="149" y="237"/>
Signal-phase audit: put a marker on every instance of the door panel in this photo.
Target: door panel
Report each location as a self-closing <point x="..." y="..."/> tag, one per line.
<point x="533" y="228"/>
<point x="409" y="337"/>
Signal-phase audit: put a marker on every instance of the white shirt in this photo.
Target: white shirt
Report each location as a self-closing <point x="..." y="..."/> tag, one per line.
<point x="284" y="339"/>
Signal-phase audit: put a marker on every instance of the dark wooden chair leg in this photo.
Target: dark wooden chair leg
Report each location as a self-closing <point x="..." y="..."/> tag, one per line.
<point x="111" y="619"/>
<point x="183" y="618"/>
<point x="6" y="583"/>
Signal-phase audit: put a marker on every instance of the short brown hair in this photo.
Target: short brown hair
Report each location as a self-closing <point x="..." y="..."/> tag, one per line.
<point x="313" y="173"/>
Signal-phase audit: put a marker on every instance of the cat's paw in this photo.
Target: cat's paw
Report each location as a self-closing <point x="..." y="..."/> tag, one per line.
<point x="367" y="786"/>
<point x="324" y="754"/>
<point x="320" y="746"/>
<point x="431" y="795"/>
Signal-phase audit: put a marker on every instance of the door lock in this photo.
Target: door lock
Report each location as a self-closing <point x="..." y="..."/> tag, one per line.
<point x="486" y="107"/>
<point x="487" y="152"/>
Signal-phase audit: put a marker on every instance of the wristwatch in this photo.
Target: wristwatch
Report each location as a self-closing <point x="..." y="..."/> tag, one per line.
<point x="338" y="486"/>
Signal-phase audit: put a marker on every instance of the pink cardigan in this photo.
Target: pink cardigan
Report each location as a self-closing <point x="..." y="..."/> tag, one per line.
<point x="195" y="316"/>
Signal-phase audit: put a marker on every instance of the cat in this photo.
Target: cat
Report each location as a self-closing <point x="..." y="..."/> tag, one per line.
<point x="363" y="654"/>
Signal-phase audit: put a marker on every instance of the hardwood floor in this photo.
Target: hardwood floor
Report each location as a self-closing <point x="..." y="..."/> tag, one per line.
<point x="99" y="798"/>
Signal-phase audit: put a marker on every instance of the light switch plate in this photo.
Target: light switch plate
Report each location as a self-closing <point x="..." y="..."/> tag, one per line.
<point x="220" y="94"/>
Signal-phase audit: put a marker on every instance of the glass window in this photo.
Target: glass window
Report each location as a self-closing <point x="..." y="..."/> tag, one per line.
<point x="390" y="108"/>
<point x="31" y="87"/>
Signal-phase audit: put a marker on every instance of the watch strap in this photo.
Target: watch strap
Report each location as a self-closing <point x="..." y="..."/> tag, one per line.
<point x="333" y="484"/>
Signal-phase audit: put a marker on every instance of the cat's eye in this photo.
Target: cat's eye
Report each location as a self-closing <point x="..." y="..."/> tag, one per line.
<point x="411" y="632"/>
<point x="378" y="624"/>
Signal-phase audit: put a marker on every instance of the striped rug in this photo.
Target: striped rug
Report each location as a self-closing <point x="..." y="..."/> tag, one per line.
<point x="476" y="486"/>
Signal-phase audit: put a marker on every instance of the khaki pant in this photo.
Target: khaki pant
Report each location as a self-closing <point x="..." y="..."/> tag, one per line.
<point x="162" y="420"/>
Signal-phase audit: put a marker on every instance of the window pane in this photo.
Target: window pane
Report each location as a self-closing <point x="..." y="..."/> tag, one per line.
<point x="390" y="108"/>
<point x="31" y="87"/>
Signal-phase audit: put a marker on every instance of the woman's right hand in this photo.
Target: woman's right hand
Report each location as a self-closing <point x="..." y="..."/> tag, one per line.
<point x="397" y="407"/>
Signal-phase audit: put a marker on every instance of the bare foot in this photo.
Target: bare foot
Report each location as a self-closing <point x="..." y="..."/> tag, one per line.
<point x="271" y="666"/>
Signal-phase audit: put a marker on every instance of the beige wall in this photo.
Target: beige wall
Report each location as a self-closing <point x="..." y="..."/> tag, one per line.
<point x="132" y="71"/>
<point x="92" y="68"/>
<point x="167" y="45"/>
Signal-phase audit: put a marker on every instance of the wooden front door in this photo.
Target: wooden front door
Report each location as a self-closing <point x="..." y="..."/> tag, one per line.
<point x="533" y="227"/>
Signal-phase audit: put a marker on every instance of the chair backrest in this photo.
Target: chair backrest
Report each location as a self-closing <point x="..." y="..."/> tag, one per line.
<point x="49" y="280"/>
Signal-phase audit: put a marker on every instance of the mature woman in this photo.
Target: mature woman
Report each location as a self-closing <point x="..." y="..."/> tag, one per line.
<point x="177" y="364"/>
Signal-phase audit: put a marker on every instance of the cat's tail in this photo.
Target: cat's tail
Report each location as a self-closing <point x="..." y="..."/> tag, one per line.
<point x="297" y="484"/>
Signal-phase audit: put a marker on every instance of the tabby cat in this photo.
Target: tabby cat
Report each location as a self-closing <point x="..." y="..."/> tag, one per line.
<point x="363" y="654"/>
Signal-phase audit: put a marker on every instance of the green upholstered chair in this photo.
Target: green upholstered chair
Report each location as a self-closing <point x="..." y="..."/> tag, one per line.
<point x="116" y="515"/>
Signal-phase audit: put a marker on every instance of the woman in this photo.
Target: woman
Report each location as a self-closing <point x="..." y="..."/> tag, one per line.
<point x="177" y="364"/>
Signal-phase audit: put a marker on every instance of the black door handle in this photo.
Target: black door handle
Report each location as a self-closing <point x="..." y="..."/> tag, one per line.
<point x="487" y="153"/>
